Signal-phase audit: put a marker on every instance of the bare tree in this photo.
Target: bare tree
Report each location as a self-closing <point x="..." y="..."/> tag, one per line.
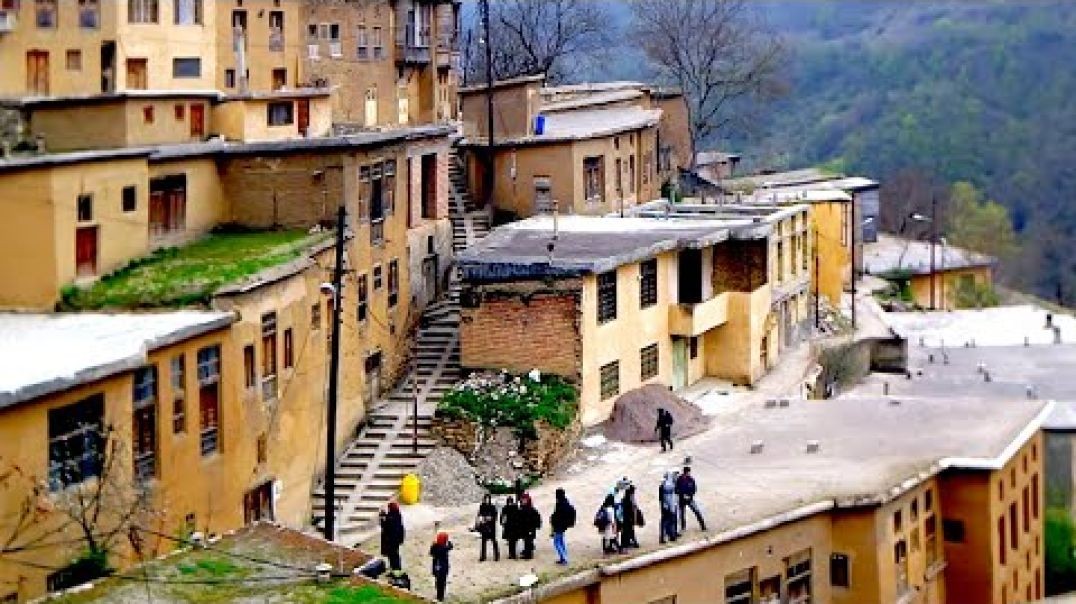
<point x="908" y="193"/>
<point x="87" y="506"/>
<point x="717" y="52"/>
<point x="530" y="37"/>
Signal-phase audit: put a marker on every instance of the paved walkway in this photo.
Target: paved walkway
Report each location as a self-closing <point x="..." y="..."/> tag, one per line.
<point x="586" y="485"/>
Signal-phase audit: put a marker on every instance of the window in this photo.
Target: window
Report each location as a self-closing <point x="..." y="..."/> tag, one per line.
<point x="648" y="283"/>
<point x="269" y="384"/>
<point x="361" y="43"/>
<point x="953" y="531"/>
<point x="142" y="11"/>
<point x="144" y="423"/>
<point x="648" y="362"/>
<point x="179" y="394"/>
<point x="248" y="366"/>
<point x="279" y="77"/>
<point x="839" y="575"/>
<point x="607" y="296"/>
<point x="897" y="521"/>
<point x="610" y="379"/>
<point x="363" y="295"/>
<point x="379" y="44"/>
<point x="89" y="14"/>
<point x="693" y="347"/>
<point x="377" y="277"/>
<point x="740" y="587"/>
<point x="1035" y="496"/>
<point x="594" y="179"/>
<point x="1002" y="550"/>
<point x="315" y="316"/>
<point x="900" y="561"/>
<point x="276" y="31"/>
<point x="1014" y="528"/>
<point x="74" y="60"/>
<point x="394" y="283"/>
<point x="76" y="442"/>
<point x="188" y="12"/>
<point x="229" y="78"/>
<point x="1027" y="509"/>
<point x="85" y="207"/>
<point x="137" y="74"/>
<point x="798" y="578"/>
<point x="45" y="13"/>
<point x="186" y="67"/>
<point x="147" y="114"/>
<point x="928" y="500"/>
<point x="631" y="175"/>
<point x="289" y="349"/>
<point x="930" y="534"/>
<point x="180" y="111"/>
<point x="280" y="113"/>
<point x="262" y="449"/>
<point x="914" y="515"/>
<point x="209" y="398"/>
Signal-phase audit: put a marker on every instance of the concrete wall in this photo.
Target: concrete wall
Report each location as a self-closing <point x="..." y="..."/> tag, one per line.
<point x="734" y="350"/>
<point x="947" y="284"/>
<point x="29" y="269"/>
<point x="514" y="109"/>
<point x="673" y="132"/>
<point x="260" y="59"/>
<point x="834" y="254"/>
<point x="206" y="206"/>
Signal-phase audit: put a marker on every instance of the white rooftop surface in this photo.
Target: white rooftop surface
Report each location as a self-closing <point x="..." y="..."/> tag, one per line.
<point x="575" y="223"/>
<point x="1063" y="416"/>
<point x="896" y="254"/>
<point x="585" y="123"/>
<point x="998" y="326"/>
<point x="45" y="353"/>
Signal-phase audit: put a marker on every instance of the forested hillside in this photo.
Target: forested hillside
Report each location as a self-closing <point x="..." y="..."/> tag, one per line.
<point x="984" y="93"/>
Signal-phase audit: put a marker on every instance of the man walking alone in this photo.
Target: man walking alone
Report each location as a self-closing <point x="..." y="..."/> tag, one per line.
<point x="664" y="429"/>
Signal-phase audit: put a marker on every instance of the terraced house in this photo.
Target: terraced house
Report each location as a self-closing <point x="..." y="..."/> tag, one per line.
<point x="169" y="207"/>
<point x="664" y="296"/>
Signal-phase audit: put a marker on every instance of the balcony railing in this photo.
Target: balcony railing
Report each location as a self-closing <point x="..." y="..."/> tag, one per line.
<point x="690" y="320"/>
<point x="377" y="231"/>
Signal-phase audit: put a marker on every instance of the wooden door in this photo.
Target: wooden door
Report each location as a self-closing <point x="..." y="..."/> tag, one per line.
<point x="37" y="72"/>
<point x="86" y="251"/>
<point x="370" y="117"/>
<point x="304" y="116"/>
<point x="197" y="121"/>
<point x="258" y="503"/>
<point x="137" y="74"/>
<point x="679" y="357"/>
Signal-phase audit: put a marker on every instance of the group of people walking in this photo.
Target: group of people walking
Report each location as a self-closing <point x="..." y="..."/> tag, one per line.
<point x="616" y="520"/>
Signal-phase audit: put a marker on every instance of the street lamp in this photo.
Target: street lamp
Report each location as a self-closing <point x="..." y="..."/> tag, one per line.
<point x="933" y="220"/>
<point x="859" y="228"/>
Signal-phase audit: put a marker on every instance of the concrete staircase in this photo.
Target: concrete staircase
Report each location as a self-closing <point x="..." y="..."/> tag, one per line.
<point x="371" y="467"/>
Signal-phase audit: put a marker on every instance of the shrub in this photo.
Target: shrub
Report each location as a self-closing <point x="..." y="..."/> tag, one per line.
<point x="1060" y="541"/>
<point x="513" y="401"/>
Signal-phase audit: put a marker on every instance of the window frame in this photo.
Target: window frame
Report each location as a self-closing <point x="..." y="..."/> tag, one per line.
<point x="649" y="362"/>
<point x="609" y="380"/>
<point x="197" y="14"/>
<point x="181" y="68"/>
<point x="143" y="12"/>
<point x="280" y="113"/>
<point x="178" y="374"/>
<point x="606" y="287"/>
<point x="648" y="283"/>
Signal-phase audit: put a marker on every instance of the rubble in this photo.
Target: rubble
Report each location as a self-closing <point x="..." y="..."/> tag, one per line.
<point x="635" y="414"/>
<point x="448" y="480"/>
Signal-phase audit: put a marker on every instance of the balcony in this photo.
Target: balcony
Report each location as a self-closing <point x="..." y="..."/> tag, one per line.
<point x="413" y="46"/>
<point x="690" y="320"/>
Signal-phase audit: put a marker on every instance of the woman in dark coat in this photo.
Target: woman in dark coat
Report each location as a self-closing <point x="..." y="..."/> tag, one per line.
<point x="392" y="534"/>
<point x="486" y="524"/>
<point x="529" y="523"/>
<point x="510" y="526"/>
<point x="630" y="516"/>
<point x="439" y="558"/>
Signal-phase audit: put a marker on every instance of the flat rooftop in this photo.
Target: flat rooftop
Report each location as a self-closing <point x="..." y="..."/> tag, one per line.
<point x="259" y="563"/>
<point x="192" y="274"/>
<point x="893" y="254"/>
<point x="47" y="353"/>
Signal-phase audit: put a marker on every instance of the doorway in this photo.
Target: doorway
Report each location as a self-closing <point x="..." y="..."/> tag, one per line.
<point x="137" y="74"/>
<point x="689" y="276"/>
<point x="197" y="121"/>
<point x="373" y="378"/>
<point x="108" y="67"/>
<point x="429" y="186"/>
<point x="679" y="358"/>
<point x="258" y="503"/>
<point x="304" y="116"/>
<point x="37" y="72"/>
<point x="370" y="112"/>
<point x="86" y="251"/>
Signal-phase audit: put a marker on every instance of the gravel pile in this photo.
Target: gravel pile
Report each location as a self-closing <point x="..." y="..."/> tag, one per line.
<point x="448" y="480"/>
<point x="636" y="412"/>
<point x="497" y="458"/>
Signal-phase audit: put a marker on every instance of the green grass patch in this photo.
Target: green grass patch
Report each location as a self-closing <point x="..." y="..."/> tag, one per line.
<point x="518" y="402"/>
<point x="189" y="275"/>
<point x="209" y="568"/>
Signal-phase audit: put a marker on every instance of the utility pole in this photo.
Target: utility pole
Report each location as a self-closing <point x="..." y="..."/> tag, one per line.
<point x="817" y="302"/>
<point x="491" y="164"/>
<point x="334" y="371"/>
<point x="933" y="237"/>
<point x="855" y="228"/>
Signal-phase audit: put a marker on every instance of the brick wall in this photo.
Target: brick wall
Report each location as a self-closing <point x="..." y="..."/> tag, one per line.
<point x="520" y="331"/>
<point x="739" y="266"/>
<point x="294" y="191"/>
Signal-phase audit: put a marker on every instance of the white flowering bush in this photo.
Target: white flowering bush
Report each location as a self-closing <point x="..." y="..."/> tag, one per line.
<point x="501" y="399"/>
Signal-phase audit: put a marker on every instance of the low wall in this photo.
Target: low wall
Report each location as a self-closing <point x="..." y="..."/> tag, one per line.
<point x="539" y="455"/>
<point x="845" y="363"/>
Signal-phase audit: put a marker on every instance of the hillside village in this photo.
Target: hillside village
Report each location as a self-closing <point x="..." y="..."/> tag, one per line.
<point x="273" y="272"/>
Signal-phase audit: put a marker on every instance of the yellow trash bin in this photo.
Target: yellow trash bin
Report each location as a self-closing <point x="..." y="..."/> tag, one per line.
<point x="410" y="488"/>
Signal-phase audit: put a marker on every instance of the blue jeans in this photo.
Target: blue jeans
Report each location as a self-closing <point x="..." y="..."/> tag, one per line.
<point x="560" y="546"/>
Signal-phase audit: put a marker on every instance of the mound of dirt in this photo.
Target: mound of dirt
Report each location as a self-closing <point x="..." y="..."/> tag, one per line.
<point x="448" y="480"/>
<point x="636" y="412"/>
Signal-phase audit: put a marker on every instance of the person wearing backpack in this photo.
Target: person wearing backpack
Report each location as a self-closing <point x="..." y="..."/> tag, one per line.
<point x="664" y="428"/>
<point x="605" y="522"/>
<point x="562" y="519"/>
